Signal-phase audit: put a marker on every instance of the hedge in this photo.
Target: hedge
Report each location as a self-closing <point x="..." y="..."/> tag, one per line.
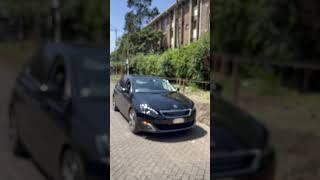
<point x="188" y="62"/>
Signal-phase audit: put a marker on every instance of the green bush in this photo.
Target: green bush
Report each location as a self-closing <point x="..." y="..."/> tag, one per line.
<point x="188" y="62"/>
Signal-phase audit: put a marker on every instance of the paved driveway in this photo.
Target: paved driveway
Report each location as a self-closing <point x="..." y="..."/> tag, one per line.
<point x="181" y="155"/>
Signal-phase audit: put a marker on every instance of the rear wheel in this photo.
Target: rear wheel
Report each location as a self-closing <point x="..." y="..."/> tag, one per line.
<point x="72" y="166"/>
<point x="133" y="121"/>
<point x="16" y="144"/>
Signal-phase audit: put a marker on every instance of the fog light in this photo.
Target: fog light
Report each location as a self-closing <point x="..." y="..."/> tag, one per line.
<point x="148" y="125"/>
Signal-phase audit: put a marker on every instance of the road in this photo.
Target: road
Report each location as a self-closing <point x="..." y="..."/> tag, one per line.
<point x="11" y="167"/>
<point x="181" y="155"/>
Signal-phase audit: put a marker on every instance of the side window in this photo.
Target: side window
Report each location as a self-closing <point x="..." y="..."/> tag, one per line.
<point x="128" y="85"/>
<point x="58" y="81"/>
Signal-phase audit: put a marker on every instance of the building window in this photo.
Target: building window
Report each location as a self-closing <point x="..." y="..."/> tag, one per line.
<point x="194" y="34"/>
<point x="195" y="11"/>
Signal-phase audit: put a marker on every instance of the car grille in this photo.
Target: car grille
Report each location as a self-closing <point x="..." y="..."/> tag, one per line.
<point x="233" y="162"/>
<point x="165" y="127"/>
<point x="176" y="113"/>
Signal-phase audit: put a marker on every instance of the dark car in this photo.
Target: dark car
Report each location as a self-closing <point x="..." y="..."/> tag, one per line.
<point x="58" y="112"/>
<point x="152" y="104"/>
<point x="240" y="145"/>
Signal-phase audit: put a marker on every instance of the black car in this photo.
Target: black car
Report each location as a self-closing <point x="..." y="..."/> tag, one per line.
<point x="240" y="145"/>
<point x="152" y="104"/>
<point x="58" y="112"/>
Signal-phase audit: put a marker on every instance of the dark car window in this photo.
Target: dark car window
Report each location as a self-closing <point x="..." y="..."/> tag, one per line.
<point x="151" y="85"/>
<point x="128" y="85"/>
<point x="58" y="81"/>
<point x="91" y="75"/>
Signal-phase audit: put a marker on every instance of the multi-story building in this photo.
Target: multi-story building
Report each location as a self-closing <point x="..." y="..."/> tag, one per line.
<point x="183" y="22"/>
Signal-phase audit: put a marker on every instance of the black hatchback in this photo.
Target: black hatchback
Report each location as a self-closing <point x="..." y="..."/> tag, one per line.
<point x="152" y="104"/>
<point x="59" y="112"/>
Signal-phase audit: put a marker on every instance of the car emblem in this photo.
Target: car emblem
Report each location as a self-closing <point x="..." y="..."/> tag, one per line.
<point x="175" y="106"/>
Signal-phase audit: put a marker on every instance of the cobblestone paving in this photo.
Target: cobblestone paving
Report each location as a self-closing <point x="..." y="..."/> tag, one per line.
<point x="180" y="155"/>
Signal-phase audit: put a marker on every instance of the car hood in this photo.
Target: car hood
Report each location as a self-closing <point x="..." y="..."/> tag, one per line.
<point x="95" y="114"/>
<point x="235" y="129"/>
<point x="164" y="101"/>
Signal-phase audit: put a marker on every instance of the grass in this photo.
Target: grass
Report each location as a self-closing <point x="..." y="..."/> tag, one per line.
<point x="196" y="94"/>
<point x="283" y="108"/>
<point x="115" y="78"/>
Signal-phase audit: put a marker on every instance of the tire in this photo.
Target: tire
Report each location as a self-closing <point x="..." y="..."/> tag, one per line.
<point x="114" y="106"/>
<point x="72" y="166"/>
<point x="133" y="121"/>
<point x="16" y="144"/>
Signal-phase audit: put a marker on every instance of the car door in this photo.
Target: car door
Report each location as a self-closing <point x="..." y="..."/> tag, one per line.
<point x="125" y="99"/>
<point x="118" y="93"/>
<point x="28" y="90"/>
<point x="53" y="118"/>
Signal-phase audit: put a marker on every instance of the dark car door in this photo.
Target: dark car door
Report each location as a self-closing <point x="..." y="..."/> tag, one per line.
<point x="53" y="118"/>
<point x="125" y="98"/>
<point x="28" y="90"/>
<point x="118" y="93"/>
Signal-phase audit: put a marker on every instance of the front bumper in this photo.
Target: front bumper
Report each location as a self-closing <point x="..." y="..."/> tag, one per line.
<point x="242" y="164"/>
<point x="98" y="171"/>
<point x="163" y="125"/>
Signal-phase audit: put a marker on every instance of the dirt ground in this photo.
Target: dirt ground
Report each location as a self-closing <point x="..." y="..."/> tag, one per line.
<point x="294" y="124"/>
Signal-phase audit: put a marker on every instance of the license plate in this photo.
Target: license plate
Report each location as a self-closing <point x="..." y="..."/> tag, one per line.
<point x="178" y="121"/>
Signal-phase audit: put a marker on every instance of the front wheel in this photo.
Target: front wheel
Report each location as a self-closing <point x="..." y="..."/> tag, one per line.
<point x="133" y="121"/>
<point x="72" y="166"/>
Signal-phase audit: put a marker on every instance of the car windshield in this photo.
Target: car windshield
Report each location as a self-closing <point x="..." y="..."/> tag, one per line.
<point x="91" y="76"/>
<point x="152" y="85"/>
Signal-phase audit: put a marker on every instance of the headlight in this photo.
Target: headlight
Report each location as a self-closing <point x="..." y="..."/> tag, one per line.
<point x="102" y="143"/>
<point x="145" y="109"/>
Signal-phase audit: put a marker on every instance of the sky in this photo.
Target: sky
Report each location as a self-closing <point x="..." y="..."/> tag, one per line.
<point x="118" y="9"/>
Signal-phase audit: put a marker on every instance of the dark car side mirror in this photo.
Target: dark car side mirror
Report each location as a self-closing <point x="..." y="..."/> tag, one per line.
<point x="124" y="90"/>
<point x="50" y="91"/>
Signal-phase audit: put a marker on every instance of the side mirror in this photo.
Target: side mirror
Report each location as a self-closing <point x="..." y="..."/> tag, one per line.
<point x="49" y="90"/>
<point x="125" y="90"/>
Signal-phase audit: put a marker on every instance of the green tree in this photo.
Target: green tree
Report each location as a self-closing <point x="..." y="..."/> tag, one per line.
<point x="143" y="41"/>
<point x="140" y="14"/>
<point x="260" y="28"/>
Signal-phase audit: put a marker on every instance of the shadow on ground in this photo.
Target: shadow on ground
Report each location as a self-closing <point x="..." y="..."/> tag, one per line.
<point x="192" y="134"/>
